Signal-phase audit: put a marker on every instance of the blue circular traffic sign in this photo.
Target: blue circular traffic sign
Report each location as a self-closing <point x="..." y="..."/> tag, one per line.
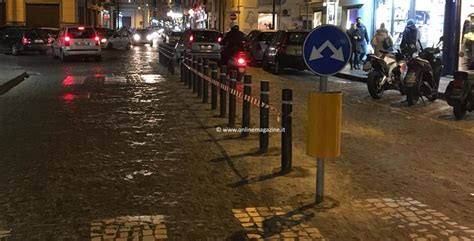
<point x="327" y="50"/>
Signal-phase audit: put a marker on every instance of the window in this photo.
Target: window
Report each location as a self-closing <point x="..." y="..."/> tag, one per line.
<point x="297" y="38"/>
<point x="78" y="33"/>
<point x="205" y="36"/>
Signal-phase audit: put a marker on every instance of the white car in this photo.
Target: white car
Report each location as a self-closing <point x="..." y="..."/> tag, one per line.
<point x="111" y="39"/>
<point x="77" y="41"/>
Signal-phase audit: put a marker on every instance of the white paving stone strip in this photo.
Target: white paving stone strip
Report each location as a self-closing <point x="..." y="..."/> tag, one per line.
<point x="5" y="235"/>
<point x="130" y="228"/>
<point x="276" y="223"/>
<point x="422" y="222"/>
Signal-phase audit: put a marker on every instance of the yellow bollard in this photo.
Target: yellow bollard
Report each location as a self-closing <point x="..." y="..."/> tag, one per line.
<point x="324" y="124"/>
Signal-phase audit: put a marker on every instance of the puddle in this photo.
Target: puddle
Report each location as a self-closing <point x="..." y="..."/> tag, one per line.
<point x="144" y="173"/>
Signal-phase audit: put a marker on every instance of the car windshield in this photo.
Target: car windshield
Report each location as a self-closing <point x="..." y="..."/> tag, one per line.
<point x="266" y="36"/>
<point x="36" y="34"/>
<point x="176" y="34"/>
<point x="105" y="32"/>
<point x="142" y="31"/>
<point x="297" y="38"/>
<point x="205" y="36"/>
<point x="81" y="32"/>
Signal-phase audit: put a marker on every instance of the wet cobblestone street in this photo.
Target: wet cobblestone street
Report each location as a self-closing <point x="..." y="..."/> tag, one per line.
<point x="99" y="146"/>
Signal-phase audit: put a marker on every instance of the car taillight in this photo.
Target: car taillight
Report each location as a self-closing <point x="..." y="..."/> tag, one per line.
<point x="191" y="38"/>
<point x="241" y="61"/>
<point x="97" y="40"/>
<point x="219" y="39"/>
<point x="458" y="83"/>
<point x="67" y="40"/>
<point x="25" y="41"/>
<point x="80" y="28"/>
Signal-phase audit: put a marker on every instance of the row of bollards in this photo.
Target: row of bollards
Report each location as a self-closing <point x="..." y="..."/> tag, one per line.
<point x="226" y="85"/>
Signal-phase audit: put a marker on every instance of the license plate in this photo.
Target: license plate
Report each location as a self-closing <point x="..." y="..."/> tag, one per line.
<point x="206" y="47"/>
<point x="411" y="78"/>
<point x="299" y="52"/>
<point x="367" y="66"/>
<point x="39" y="41"/>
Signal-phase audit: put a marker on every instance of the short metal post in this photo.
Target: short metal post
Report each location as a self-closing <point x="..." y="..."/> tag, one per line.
<point x="185" y="69"/>
<point x="232" y="97"/>
<point x="246" y="105"/>
<point x="181" y="69"/>
<point x="205" y="84"/>
<point x="323" y="87"/>
<point x="264" y="115"/>
<point x="190" y="72"/>
<point x="199" y="79"/>
<point x="222" y="91"/>
<point x="171" y="64"/>
<point x="213" y="86"/>
<point x="286" y="134"/>
<point x="195" y="65"/>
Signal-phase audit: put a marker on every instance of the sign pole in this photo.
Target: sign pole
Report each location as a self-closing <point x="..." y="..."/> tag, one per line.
<point x="323" y="87"/>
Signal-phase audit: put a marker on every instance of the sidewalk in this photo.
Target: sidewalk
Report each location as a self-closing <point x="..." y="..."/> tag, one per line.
<point x="11" y="73"/>
<point x="361" y="76"/>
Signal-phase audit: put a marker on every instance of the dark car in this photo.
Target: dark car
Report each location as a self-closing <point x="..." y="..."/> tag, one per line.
<point x="142" y="36"/>
<point x="285" y="50"/>
<point x="256" y="43"/>
<point x="200" y="42"/>
<point x="16" y="40"/>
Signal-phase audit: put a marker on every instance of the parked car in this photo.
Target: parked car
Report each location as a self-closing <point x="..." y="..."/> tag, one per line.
<point x="201" y="42"/>
<point x="173" y="37"/>
<point x="111" y="39"/>
<point x="142" y="37"/>
<point x="52" y="34"/>
<point x="285" y="50"/>
<point x="17" y="39"/>
<point x="77" y="41"/>
<point x="256" y="44"/>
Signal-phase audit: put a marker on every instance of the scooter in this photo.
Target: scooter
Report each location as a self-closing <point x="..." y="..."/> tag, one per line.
<point x="460" y="93"/>
<point x="385" y="73"/>
<point x="424" y="73"/>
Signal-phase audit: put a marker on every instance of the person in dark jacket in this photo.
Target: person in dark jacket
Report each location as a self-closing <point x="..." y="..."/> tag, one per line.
<point x="363" y="41"/>
<point x="233" y="42"/>
<point x="410" y="38"/>
<point x="354" y="36"/>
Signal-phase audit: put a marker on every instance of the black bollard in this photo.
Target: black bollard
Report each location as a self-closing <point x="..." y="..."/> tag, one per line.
<point x="194" y="67"/>
<point x="213" y="86"/>
<point x="185" y="69"/>
<point x="181" y="69"/>
<point x="246" y="105"/>
<point x="199" y="81"/>
<point x="264" y="112"/>
<point x="205" y="84"/>
<point x="190" y="73"/>
<point x="232" y="97"/>
<point x="222" y="91"/>
<point x="286" y="134"/>
<point x="171" y="62"/>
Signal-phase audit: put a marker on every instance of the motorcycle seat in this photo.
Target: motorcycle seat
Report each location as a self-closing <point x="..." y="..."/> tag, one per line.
<point x="466" y="75"/>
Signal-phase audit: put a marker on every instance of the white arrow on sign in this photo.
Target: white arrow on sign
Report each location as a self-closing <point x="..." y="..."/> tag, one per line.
<point x="337" y="53"/>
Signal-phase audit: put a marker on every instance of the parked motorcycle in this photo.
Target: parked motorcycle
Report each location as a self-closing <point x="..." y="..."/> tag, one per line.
<point x="238" y="62"/>
<point x="460" y="93"/>
<point x="424" y="73"/>
<point x="385" y="73"/>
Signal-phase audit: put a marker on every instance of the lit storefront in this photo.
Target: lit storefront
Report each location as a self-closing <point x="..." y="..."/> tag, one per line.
<point x="466" y="58"/>
<point x="198" y="17"/>
<point x="429" y="16"/>
<point x="265" y="21"/>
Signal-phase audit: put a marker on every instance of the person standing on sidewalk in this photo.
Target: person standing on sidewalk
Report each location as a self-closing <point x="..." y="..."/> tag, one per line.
<point x="354" y="35"/>
<point x="364" y="41"/>
<point x="410" y="38"/>
<point x="381" y="41"/>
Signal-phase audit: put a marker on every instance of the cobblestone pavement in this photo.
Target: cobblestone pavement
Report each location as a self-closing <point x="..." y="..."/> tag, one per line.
<point x="87" y="148"/>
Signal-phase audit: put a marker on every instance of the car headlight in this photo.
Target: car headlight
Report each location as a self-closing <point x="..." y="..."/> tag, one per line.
<point x="103" y="40"/>
<point x="136" y="37"/>
<point x="149" y="37"/>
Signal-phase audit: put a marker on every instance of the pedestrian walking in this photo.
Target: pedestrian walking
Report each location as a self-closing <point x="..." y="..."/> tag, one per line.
<point x="363" y="41"/>
<point x="354" y="36"/>
<point x="410" y="38"/>
<point x="381" y="41"/>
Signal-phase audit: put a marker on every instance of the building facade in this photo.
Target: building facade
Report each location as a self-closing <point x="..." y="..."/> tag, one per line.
<point x="40" y="13"/>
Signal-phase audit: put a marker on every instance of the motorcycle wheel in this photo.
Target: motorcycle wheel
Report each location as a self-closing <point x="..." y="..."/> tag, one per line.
<point x="459" y="110"/>
<point x="373" y="81"/>
<point x="412" y="95"/>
